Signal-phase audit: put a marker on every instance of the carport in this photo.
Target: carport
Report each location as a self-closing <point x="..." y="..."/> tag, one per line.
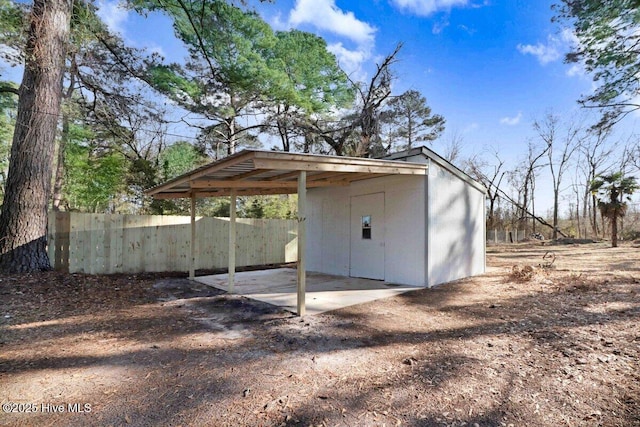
<point x="255" y="172"/>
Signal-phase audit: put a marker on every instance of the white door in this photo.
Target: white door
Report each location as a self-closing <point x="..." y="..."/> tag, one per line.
<point x="367" y="236"/>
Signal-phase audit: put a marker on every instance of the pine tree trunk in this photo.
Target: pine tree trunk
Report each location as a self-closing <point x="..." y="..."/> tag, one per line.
<point x="23" y="220"/>
<point x="59" y="176"/>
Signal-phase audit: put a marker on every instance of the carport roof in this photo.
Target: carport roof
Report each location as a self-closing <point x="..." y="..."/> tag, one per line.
<point x="251" y="172"/>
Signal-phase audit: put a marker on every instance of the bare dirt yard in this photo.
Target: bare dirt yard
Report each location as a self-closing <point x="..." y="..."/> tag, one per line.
<point x="521" y="345"/>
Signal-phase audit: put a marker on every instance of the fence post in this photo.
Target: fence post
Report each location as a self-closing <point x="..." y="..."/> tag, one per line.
<point x="73" y="239"/>
<point x="192" y="246"/>
<point x="58" y="244"/>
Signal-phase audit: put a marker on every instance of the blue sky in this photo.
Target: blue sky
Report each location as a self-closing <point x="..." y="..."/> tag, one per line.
<point x="488" y="66"/>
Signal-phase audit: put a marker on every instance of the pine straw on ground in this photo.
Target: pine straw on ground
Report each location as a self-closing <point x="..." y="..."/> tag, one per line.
<point x="525" y="344"/>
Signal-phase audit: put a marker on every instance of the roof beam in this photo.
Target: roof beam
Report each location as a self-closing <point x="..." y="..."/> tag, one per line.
<point x="407" y="169"/>
<point x="247" y="185"/>
<point x="240" y="184"/>
<point x="247" y="174"/>
<point x="325" y="175"/>
<point x="285" y="175"/>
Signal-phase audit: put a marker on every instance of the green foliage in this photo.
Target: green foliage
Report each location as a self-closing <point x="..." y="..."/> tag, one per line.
<point x="609" y="34"/>
<point x="217" y="206"/>
<point x="238" y="67"/>
<point x="613" y="191"/>
<point x="12" y="30"/>
<point x="315" y="81"/>
<point x="8" y="106"/>
<point x="410" y="120"/>
<point x="254" y="208"/>
<point x="314" y="84"/>
<point x="93" y="176"/>
<point x="167" y="79"/>
<point x="268" y="207"/>
<point x="229" y="66"/>
<point x="179" y="158"/>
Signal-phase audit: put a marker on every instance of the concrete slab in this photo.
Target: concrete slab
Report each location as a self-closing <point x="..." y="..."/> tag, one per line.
<point x="324" y="292"/>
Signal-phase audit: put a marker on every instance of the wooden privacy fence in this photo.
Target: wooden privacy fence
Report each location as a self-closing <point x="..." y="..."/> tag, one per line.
<point x="110" y="243"/>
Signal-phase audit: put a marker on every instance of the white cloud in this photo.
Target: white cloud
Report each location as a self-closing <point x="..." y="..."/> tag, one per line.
<point x="157" y="49"/>
<point x="113" y="14"/>
<point x="440" y="25"/>
<point x="577" y="70"/>
<point x="325" y="15"/>
<point x="568" y="37"/>
<point x="428" y="7"/>
<point x="350" y="60"/>
<point x="470" y="31"/>
<point x="278" y="24"/>
<point x="511" y="121"/>
<point x="553" y="49"/>
<point x="544" y="52"/>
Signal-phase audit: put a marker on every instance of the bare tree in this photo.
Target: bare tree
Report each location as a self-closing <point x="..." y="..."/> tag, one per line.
<point x="453" y="146"/>
<point x="355" y="132"/>
<point x="23" y="220"/>
<point x="531" y="180"/>
<point x="491" y="176"/>
<point x="372" y="98"/>
<point x="524" y="179"/>
<point x="595" y="151"/>
<point x="559" y="152"/>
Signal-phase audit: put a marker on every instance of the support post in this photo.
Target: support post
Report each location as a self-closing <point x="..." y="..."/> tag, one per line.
<point x="192" y="248"/>
<point x="302" y="217"/>
<point x="232" y="241"/>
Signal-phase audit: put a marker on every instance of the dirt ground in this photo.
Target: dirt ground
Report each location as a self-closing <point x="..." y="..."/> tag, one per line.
<point x="521" y="345"/>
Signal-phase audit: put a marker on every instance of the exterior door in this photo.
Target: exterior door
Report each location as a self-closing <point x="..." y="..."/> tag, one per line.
<point x="367" y="236"/>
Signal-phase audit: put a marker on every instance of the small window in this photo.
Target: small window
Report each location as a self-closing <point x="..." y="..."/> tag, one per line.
<point x="366" y="227"/>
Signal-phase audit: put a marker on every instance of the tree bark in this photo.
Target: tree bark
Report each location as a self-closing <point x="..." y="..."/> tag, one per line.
<point x="556" y="201"/>
<point x="614" y="232"/>
<point x="594" y="205"/>
<point x="59" y="176"/>
<point x="23" y="220"/>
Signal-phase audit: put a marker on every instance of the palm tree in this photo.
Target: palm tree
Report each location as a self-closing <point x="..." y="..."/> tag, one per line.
<point x="613" y="191"/>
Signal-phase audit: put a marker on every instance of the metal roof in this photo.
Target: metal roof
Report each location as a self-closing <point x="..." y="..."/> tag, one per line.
<point x="430" y="154"/>
<point x="252" y="172"/>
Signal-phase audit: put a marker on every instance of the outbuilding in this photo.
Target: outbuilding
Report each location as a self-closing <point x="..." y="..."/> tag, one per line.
<point x="420" y="230"/>
<point x="411" y="218"/>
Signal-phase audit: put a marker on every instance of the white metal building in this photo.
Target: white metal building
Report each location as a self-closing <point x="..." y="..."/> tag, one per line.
<point x="412" y="218"/>
<point x="418" y="230"/>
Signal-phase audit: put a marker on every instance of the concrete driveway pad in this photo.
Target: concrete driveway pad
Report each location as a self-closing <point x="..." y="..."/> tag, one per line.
<point x="324" y="292"/>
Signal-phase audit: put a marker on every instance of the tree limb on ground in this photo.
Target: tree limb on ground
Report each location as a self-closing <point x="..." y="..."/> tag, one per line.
<point x="536" y="218"/>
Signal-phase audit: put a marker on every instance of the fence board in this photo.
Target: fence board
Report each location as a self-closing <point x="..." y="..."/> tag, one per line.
<point x="109" y="243"/>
